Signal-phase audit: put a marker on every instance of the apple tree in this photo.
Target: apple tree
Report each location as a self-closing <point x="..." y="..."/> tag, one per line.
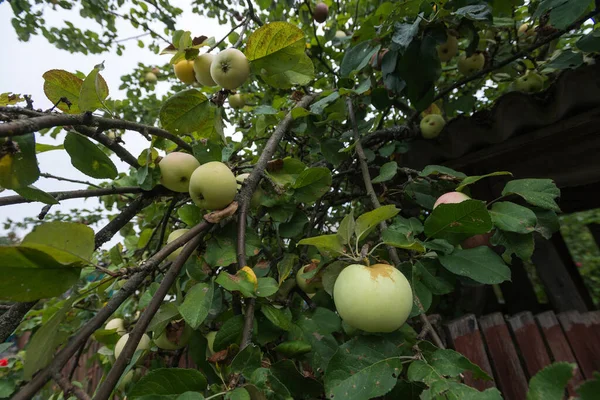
<point x="270" y="231"/>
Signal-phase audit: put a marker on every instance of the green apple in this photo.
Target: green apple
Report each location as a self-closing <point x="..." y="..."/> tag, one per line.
<point x="117" y="324"/>
<point x="448" y="50"/>
<point x="340" y="34"/>
<point x="470" y="65"/>
<point x="230" y="69"/>
<point x="530" y="82"/>
<point x="202" y="65"/>
<point x="375" y="299"/>
<point x="431" y="125"/>
<point x="144" y="345"/>
<point x="177" y="233"/>
<point x="236" y="101"/>
<point x="451" y="198"/>
<point x="320" y="12"/>
<point x="176" y="169"/>
<point x="256" y="196"/>
<point x="210" y="338"/>
<point x="308" y="286"/>
<point x="130" y="377"/>
<point x="151" y="77"/>
<point x="176" y="336"/>
<point x="213" y="186"/>
<point x="111" y="135"/>
<point x="184" y="70"/>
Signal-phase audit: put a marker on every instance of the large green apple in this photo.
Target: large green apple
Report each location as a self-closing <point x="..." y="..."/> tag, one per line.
<point x="431" y="125"/>
<point x="117" y="324"/>
<point x="230" y="68"/>
<point x="184" y="70"/>
<point x="202" y="65"/>
<point x="175" y="235"/>
<point x="311" y="285"/>
<point x="176" y="336"/>
<point x="449" y="49"/>
<point x="213" y="186"/>
<point x="320" y="12"/>
<point x="144" y="345"/>
<point x="150" y="77"/>
<point x="470" y="65"/>
<point x="236" y="101"/>
<point x="340" y="34"/>
<point x="375" y="299"/>
<point x="176" y="168"/>
<point x="530" y="82"/>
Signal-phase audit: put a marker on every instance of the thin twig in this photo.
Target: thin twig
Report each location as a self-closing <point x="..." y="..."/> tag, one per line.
<point x="76" y="361"/>
<point x="244" y="22"/>
<point x="252" y="14"/>
<point x="60" y="178"/>
<point x="68" y="388"/>
<point x="74" y="194"/>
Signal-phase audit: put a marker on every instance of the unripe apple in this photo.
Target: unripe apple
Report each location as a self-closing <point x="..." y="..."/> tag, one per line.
<point x="176" y="336"/>
<point x="431" y="125"/>
<point x="213" y="186"/>
<point x="176" y="169"/>
<point x="451" y="198"/>
<point x="118" y="324"/>
<point x="525" y="30"/>
<point x="156" y="71"/>
<point x="230" y="69"/>
<point x="151" y="77"/>
<point x="449" y="49"/>
<point x="530" y="82"/>
<point x="210" y="338"/>
<point x="320" y="12"/>
<point x="127" y="379"/>
<point x="144" y="345"/>
<point x="184" y="70"/>
<point x="256" y="196"/>
<point x="470" y="65"/>
<point x="340" y="34"/>
<point x="202" y="65"/>
<point x="175" y="235"/>
<point x="308" y="286"/>
<point x="375" y="299"/>
<point x="236" y="101"/>
<point x="380" y="54"/>
<point x="111" y="135"/>
<point x="477" y="241"/>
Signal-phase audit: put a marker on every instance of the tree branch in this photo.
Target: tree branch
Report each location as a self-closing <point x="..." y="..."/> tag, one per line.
<point x="104" y="391"/>
<point x="252" y="14"/>
<point x="73" y="194"/>
<point x="362" y="159"/>
<point x="60" y="178"/>
<point x="60" y="359"/>
<point x="249" y="186"/>
<point x="43" y="121"/>
<point x="10" y="320"/>
<point x="68" y="388"/>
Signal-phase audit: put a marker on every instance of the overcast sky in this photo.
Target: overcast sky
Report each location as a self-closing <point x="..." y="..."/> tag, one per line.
<point x="21" y="72"/>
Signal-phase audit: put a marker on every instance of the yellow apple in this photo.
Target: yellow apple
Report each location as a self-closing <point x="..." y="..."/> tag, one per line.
<point x="375" y="299"/>
<point x="176" y="169"/>
<point x="431" y="125"/>
<point x="184" y="70"/>
<point x="117" y="324"/>
<point x="470" y="65"/>
<point x="144" y="345"/>
<point x="448" y="50"/>
<point x="236" y="101"/>
<point x="230" y="68"/>
<point x="202" y="65"/>
<point x="213" y="186"/>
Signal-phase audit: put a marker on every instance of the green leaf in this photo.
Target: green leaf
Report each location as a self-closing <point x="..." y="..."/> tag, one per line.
<point x="59" y="83"/>
<point x="368" y="382"/>
<point x="368" y="221"/>
<point x="565" y="60"/>
<point x="311" y="184"/>
<point x="512" y="217"/>
<point x="207" y="151"/>
<point x="480" y="264"/>
<point x="185" y="112"/>
<point x="293" y="348"/>
<point x="9" y="99"/>
<point x="589" y="390"/>
<point x="386" y="172"/>
<point x="401" y="241"/>
<point x="316" y="328"/>
<point x="480" y="12"/>
<point x="197" y="303"/>
<point x="547" y="222"/>
<point x="319" y="106"/>
<point x="230" y="332"/>
<point x="550" y="382"/>
<point x="298" y="385"/>
<point x="285" y="266"/>
<point x="43" y="343"/>
<point x="88" y="158"/>
<point x="514" y="243"/>
<point x="7" y="388"/>
<point x="277" y="317"/>
<point x="94" y="91"/>
<point x="165" y="314"/>
<point x="404" y="33"/>
<point x="266" y="287"/>
<point x="448" y="362"/>
<point x="590" y="43"/>
<point x="277" y="53"/>
<point x="456" y="222"/>
<point x="189" y="214"/>
<point x="243" y="281"/>
<point x="330" y="275"/>
<point x="168" y="381"/>
<point x="325" y="243"/>
<point x="295" y="226"/>
<point x="428" y="271"/>
<point x="18" y="162"/>
<point x="43" y="147"/>
<point x="439" y="245"/>
<point x="456" y="390"/>
<point x="420" y="68"/>
<point x="247" y="360"/>
<point x="563" y="12"/>
<point x="32" y="193"/>
<point x="346" y="229"/>
<point x="469" y="180"/>
<point x="538" y="192"/>
<point x="238" y="394"/>
<point x="357" y="58"/>
<point x="63" y="237"/>
<point x="441" y="170"/>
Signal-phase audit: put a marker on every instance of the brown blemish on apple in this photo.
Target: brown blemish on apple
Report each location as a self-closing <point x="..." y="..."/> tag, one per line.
<point x="381" y="270"/>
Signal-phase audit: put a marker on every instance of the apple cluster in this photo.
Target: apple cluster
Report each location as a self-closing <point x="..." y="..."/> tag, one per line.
<point x="228" y="69"/>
